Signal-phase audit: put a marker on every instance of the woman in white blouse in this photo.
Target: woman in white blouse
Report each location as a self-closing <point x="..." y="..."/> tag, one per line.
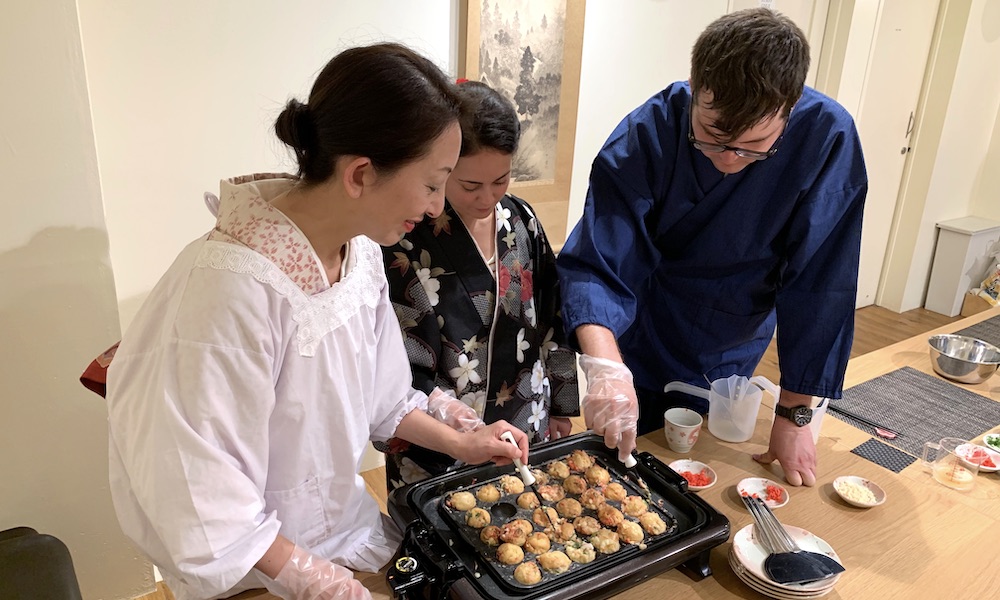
<point x="244" y="394"/>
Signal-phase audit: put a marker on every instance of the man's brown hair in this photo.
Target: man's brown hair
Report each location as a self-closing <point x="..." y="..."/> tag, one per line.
<point x="754" y="62"/>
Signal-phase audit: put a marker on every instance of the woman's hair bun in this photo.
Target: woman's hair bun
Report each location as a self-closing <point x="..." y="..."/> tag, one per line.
<point x="295" y="126"/>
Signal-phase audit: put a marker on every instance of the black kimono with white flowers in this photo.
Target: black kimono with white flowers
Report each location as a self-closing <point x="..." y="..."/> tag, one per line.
<point x="496" y="342"/>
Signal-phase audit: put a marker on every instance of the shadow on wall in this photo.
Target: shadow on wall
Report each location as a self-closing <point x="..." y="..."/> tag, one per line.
<point x="58" y="311"/>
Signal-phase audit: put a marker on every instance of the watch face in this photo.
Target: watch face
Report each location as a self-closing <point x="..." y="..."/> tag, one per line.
<point x="800" y="415"/>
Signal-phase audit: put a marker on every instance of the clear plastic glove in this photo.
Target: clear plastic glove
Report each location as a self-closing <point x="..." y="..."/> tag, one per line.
<point x="610" y="407"/>
<point x="793" y="447"/>
<point x="453" y="412"/>
<point x="308" y="577"/>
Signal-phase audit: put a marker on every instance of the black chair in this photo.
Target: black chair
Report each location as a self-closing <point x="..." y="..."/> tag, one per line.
<point x="35" y="566"/>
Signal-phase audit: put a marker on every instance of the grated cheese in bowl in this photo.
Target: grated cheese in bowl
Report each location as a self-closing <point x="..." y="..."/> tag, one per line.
<point x="855" y="492"/>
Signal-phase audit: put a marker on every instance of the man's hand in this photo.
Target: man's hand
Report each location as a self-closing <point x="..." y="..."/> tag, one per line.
<point x="610" y="407"/>
<point x="792" y="446"/>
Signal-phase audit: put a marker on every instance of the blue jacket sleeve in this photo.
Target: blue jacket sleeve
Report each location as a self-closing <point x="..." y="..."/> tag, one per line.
<point x="610" y="252"/>
<point x="816" y="299"/>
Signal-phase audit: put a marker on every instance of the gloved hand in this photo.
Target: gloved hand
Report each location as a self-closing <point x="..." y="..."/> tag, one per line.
<point x="610" y="407"/>
<point x="453" y="412"/>
<point x="308" y="577"/>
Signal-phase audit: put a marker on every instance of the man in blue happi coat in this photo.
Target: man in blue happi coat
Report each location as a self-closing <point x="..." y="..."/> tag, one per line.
<point x="719" y="209"/>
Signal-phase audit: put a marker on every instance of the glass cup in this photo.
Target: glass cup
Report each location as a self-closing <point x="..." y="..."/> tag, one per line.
<point x="682" y="427"/>
<point x="948" y="467"/>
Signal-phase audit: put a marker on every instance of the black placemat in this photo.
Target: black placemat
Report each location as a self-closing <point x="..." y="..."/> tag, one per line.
<point x="923" y="408"/>
<point x="988" y="331"/>
<point x="884" y="456"/>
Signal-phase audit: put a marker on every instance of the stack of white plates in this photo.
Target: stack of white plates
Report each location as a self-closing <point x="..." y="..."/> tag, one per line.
<point x="746" y="557"/>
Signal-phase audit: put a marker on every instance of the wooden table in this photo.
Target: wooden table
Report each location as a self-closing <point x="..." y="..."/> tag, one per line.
<point x="926" y="541"/>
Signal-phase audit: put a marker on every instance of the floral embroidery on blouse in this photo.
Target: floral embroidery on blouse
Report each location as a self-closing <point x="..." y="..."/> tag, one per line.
<point x="246" y="218"/>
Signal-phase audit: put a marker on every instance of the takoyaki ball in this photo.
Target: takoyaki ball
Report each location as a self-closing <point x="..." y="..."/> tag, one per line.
<point x="554" y="561"/>
<point x="652" y="523"/>
<point x="579" y="461"/>
<point x="509" y="554"/>
<point x="527" y="573"/>
<point x="511" y="485"/>
<point x="586" y="526"/>
<point x="580" y="551"/>
<point x="569" y="508"/>
<point x="527" y="500"/>
<point x="609" y="515"/>
<point x="551" y="492"/>
<point x="592" y="498"/>
<point x="477" y="518"/>
<point x="558" y="469"/>
<point x="490" y="535"/>
<point x="511" y="533"/>
<point x="461" y="501"/>
<point x="537" y="543"/>
<point x="634" y="506"/>
<point x="615" y="492"/>
<point x="605" y="541"/>
<point x="544" y="519"/>
<point x="630" y="532"/>
<point x="525" y="525"/>
<point x="541" y="477"/>
<point x="488" y="493"/>
<point x="562" y="533"/>
<point x="597" y="475"/>
<point x="574" y="484"/>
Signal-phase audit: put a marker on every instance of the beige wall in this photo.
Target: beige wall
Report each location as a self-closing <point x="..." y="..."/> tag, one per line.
<point x="621" y="71"/>
<point x="185" y="93"/>
<point x="952" y="172"/>
<point x="57" y="301"/>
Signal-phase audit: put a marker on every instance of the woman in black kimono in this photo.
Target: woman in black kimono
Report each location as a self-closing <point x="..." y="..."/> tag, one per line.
<point x="476" y="294"/>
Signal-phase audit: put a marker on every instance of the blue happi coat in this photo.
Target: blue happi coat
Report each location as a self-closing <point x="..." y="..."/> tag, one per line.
<point x="692" y="270"/>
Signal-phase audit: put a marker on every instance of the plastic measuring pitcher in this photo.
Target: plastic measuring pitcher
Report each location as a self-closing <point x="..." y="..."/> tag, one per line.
<point x="733" y="403"/>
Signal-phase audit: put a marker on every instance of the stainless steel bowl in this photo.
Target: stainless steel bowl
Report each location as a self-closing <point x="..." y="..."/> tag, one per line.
<point x="962" y="358"/>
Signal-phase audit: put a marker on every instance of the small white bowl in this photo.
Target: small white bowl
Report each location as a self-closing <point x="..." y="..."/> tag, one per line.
<point x="694" y="466"/>
<point x="757" y="487"/>
<point x="992" y="441"/>
<point x="840" y="483"/>
<point x="966" y="451"/>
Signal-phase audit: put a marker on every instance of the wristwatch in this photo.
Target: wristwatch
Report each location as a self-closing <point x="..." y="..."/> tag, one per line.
<point x="800" y="415"/>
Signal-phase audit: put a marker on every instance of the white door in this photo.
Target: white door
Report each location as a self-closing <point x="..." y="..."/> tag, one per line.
<point x="894" y="74"/>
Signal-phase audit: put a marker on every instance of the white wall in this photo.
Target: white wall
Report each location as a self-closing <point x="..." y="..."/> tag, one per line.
<point x="57" y="301"/>
<point x="964" y="177"/>
<point x="185" y="93"/>
<point x="986" y="186"/>
<point x="629" y="55"/>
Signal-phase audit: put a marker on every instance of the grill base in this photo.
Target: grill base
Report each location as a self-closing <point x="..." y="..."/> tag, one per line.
<point x="435" y="562"/>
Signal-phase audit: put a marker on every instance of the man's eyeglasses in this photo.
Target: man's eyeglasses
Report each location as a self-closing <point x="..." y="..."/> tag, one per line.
<point x="719" y="148"/>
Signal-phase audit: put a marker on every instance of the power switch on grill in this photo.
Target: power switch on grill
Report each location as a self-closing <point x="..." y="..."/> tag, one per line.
<point x="404" y="574"/>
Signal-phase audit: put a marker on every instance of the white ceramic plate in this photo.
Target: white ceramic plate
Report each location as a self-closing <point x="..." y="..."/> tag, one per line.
<point x="992" y="441"/>
<point x="757" y="486"/>
<point x="840" y="482"/>
<point x="966" y="450"/>
<point x="750" y="554"/>
<point x="695" y="466"/>
<point x="765" y="588"/>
